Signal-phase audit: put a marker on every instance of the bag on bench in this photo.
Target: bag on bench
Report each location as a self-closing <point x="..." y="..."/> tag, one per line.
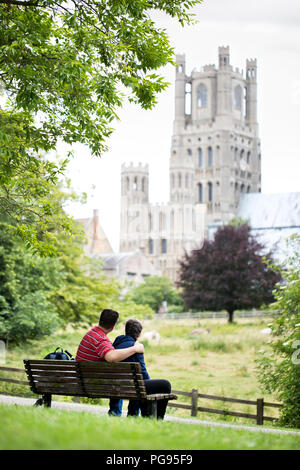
<point x="60" y="355"/>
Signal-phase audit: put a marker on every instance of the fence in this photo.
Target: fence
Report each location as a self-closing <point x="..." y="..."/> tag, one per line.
<point x="213" y="315"/>
<point x="260" y="404"/>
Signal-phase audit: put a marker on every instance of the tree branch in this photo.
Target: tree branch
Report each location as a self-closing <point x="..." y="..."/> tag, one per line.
<point x="28" y="3"/>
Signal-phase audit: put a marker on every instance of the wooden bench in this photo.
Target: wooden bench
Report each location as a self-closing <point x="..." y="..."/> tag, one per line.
<point x="90" y="379"/>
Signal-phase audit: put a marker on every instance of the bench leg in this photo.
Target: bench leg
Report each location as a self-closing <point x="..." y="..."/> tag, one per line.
<point x="154" y="409"/>
<point x="47" y="400"/>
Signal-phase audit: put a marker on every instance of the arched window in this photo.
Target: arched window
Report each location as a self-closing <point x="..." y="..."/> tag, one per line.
<point x="127" y="183"/>
<point x="210" y="192"/>
<point x="186" y="180"/>
<point x="150" y="246"/>
<point x="150" y="222"/>
<point x="135" y="184"/>
<point x="172" y="181"/>
<point x="164" y="245"/>
<point x="200" y="158"/>
<point x="238" y="97"/>
<point x="172" y="221"/>
<point x="162" y="221"/>
<point x="202" y="96"/>
<point x="210" y="157"/>
<point x="179" y="180"/>
<point x="248" y="157"/>
<point x="189" y="152"/>
<point x="200" y="192"/>
<point x="143" y="184"/>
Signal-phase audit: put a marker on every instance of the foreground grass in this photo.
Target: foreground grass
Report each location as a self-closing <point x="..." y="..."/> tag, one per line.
<point x="28" y="428"/>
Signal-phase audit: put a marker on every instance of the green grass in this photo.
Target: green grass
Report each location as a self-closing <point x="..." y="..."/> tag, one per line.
<point x="28" y="428"/>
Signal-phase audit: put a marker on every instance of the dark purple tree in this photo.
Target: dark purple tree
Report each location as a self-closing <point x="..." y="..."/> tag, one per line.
<point x="227" y="273"/>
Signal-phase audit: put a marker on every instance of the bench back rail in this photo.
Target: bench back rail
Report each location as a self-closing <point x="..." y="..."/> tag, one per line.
<point x="84" y="378"/>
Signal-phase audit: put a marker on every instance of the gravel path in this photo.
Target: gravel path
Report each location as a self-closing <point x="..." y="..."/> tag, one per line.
<point x="8" y="400"/>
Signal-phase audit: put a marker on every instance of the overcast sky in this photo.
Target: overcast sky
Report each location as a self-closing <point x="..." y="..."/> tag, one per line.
<point x="268" y="30"/>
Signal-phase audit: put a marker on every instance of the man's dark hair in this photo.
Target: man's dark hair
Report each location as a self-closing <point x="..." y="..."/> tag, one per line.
<point x="108" y="318"/>
<point x="133" y="328"/>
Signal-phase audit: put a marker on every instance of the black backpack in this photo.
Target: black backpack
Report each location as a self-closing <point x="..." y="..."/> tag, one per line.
<point x="60" y="355"/>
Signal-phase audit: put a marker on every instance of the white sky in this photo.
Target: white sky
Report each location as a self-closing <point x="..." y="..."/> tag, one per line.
<point x="268" y="30"/>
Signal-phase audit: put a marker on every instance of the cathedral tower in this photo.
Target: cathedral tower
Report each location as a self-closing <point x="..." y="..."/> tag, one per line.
<point x="215" y="157"/>
<point x="215" y="151"/>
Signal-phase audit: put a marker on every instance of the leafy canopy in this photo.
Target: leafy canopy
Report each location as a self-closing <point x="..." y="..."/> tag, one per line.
<point x="154" y="291"/>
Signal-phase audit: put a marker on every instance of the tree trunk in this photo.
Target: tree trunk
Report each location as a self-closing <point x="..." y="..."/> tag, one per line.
<point x="230" y="316"/>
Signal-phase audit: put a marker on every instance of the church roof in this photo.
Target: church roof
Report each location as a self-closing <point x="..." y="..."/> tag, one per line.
<point x="273" y="219"/>
<point x="266" y="211"/>
<point x="111" y="260"/>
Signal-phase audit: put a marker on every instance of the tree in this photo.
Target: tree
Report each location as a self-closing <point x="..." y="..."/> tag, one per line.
<point x="279" y="369"/>
<point x="65" y="67"/>
<point x="227" y="273"/>
<point x="154" y="291"/>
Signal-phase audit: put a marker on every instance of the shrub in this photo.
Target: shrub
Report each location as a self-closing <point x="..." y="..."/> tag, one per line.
<point x="279" y="371"/>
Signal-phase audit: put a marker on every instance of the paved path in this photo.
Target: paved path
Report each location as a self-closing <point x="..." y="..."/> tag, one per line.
<point x="103" y="411"/>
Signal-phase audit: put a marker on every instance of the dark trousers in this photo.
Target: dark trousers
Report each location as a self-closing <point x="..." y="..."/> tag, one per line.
<point x="156" y="386"/>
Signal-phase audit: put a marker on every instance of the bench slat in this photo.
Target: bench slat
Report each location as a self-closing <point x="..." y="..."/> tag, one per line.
<point x="161" y="396"/>
<point x="56" y="379"/>
<point x="51" y="368"/>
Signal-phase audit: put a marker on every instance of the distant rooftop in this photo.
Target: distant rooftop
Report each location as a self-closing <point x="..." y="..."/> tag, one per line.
<point x="266" y="211"/>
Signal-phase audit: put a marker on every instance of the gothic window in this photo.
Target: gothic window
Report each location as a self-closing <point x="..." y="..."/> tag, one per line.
<point x="172" y="221"/>
<point x="188" y="98"/>
<point x="210" y="192"/>
<point x="162" y="221"/>
<point x="202" y="96"/>
<point x="189" y="152"/>
<point x="248" y="157"/>
<point x="135" y="184"/>
<point x="186" y="180"/>
<point x="127" y="183"/>
<point x="238" y="97"/>
<point x="164" y="245"/>
<point x="200" y="158"/>
<point x="179" y="180"/>
<point x="200" y="193"/>
<point x="143" y="185"/>
<point x="150" y="222"/>
<point x="210" y="157"/>
<point x="242" y="188"/>
<point x="248" y="189"/>
<point x="150" y="246"/>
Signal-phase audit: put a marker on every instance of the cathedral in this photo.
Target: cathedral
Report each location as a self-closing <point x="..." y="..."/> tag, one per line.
<point x="215" y="158"/>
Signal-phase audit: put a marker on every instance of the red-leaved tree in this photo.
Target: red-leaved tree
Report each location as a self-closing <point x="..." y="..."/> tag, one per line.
<point x="228" y="273"/>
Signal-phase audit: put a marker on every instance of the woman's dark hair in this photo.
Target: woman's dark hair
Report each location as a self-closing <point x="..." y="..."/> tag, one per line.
<point x="133" y="328"/>
<point x="108" y="318"/>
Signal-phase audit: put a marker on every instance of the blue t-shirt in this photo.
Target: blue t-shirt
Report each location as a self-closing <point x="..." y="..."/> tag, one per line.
<point x="125" y="341"/>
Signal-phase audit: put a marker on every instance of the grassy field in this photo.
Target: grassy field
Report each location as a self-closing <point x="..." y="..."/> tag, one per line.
<point x="220" y="362"/>
<point x="26" y="428"/>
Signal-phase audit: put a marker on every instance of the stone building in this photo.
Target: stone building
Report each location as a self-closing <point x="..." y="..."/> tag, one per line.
<point x="126" y="266"/>
<point x="215" y="157"/>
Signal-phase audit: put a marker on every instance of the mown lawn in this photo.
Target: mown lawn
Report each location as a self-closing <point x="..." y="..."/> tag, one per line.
<point x="221" y="362"/>
<point x="28" y="428"/>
